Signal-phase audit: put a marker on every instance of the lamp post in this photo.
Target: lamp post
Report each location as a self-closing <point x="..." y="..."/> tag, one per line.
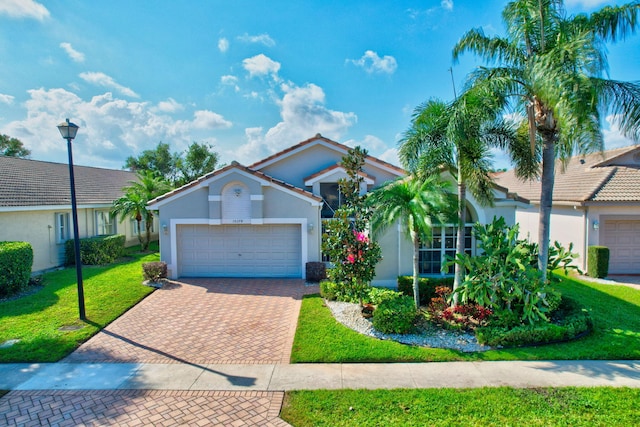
<point x="68" y="131"/>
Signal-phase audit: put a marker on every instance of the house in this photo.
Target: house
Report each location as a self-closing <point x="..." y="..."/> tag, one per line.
<point x="35" y="206"/>
<point x="265" y="220"/>
<point x="596" y="201"/>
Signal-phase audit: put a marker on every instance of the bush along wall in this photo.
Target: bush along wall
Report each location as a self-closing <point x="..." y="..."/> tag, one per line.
<point x="16" y="260"/>
<point x="427" y="286"/>
<point x="99" y="250"/>
<point x="598" y="261"/>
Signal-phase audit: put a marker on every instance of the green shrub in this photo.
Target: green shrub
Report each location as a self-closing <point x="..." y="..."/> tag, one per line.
<point x="598" y="261"/>
<point x="16" y="260"/>
<point x="376" y="295"/>
<point x="154" y="271"/>
<point x="570" y="320"/>
<point x="426" y="285"/>
<point x="329" y="290"/>
<point x="99" y="250"/>
<point x="395" y="316"/>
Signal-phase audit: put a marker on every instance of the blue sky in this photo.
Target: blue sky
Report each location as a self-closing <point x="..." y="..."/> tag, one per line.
<point x="249" y="77"/>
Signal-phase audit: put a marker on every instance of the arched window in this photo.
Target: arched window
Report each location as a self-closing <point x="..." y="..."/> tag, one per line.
<point x="443" y="244"/>
<point x="236" y="204"/>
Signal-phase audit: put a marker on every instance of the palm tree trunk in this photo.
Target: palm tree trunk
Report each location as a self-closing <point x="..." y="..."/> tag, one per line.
<point x="462" y="213"/>
<point x="416" y="268"/>
<point x="546" y="201"/>
<point x="138" y="225"/>
<point x="147" y="225"/>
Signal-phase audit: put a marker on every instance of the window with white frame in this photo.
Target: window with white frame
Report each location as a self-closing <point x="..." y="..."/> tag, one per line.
<point x="63" y="227"/>
<point x="105" y="224"/>
<point x="143" y="226"/>
<point x="332" y="197"/>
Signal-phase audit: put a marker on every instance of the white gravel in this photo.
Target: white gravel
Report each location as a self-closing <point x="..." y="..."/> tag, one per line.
<point x="349" y="315"/>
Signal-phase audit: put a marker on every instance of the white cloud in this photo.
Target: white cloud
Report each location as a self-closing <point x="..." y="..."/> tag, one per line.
<point x="205" y="119"/>
<point x="73" y="54"/>
<point x="372" y="63"/>
<point x="111" y="128"/>
<point x="447" y="4"/>
<point x="261" y="65"/>
<point x="613" y="138"/>
<point x="229" y="80"/>
<point x="264" y="39"/>
<point x="23" y="9"/>
<point x="101" y="79"/>
<point x="169" y="106"/>
<point x="223" y="44"/>
<point x="303" y="114"/>
<point x="391" y="156"/>
<point x="6" y="99"/>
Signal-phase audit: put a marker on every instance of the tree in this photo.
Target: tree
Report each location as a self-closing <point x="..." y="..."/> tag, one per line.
<point x="176" y="168"/>
<point x="549" y="68"/>
<point x="133" y="204"/>
<point x="199" y="159"/>
<point x="456" y="137"/>
<point x="416" y="204"/>
<point x="13" y="147"/>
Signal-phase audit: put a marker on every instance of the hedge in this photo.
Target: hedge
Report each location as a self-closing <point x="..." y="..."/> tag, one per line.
<point x="426" y="285"/>
<point x="598" y="261"/>
<point x="16" y="260"/>
<point x="99" y="250"/>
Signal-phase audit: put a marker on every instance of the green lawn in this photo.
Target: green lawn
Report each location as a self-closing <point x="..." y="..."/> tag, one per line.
<point x="602" y="406"/>
<point x="36" y="319"/>
<point x="615" y="310"/>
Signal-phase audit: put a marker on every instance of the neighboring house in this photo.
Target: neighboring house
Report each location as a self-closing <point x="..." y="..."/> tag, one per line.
<point x="35" y="206"/>
<point x="265" y="220"/>
<point x="596" y="201"/>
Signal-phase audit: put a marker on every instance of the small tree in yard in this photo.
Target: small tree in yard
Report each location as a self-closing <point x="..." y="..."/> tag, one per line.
<point x="353" y="253"/>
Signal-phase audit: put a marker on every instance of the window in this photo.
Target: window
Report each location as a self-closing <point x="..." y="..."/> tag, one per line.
<point x="63" y="227"/>
<point x="143" y="226"/>
<point x="105" y="225"/>
<point x="330" y="193"/>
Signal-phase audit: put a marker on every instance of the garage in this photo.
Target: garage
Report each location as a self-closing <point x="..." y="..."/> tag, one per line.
<point x="622" y="237"/>
<point x="239" y="250"/>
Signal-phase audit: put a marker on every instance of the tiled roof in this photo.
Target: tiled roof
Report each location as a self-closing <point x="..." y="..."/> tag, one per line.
<point x="236" y="165"/>
<point x="319" y="137"/>
<point x="338" y="166"/>
<point x="35" y="183"/>
<point x="593" y="177"/>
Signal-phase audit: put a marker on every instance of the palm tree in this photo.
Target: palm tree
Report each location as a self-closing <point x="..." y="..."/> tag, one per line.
<point x="457" y="137"/>
<point x="416" y="204"/>
<point x="133" y="204"/>
<point x="549" y="68"/>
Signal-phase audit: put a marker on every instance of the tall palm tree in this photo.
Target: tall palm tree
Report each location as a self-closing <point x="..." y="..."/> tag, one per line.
<point x="133" y="204"/>
<point x="416" y="204"/>
<point x="456" y="137"/>
<point x="550" y="68"/>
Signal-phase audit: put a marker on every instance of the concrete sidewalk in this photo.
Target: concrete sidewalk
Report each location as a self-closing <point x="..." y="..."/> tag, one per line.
<point x="278" y="377"/>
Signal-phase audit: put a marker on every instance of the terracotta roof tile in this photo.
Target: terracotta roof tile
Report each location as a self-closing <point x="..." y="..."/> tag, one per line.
<point x="26" y="182"/>
<point x="593" y="177"/>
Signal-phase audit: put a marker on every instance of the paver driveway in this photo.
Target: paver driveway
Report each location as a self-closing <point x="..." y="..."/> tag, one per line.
<point x="196" y="321"/>
<point x="204" y="321"/>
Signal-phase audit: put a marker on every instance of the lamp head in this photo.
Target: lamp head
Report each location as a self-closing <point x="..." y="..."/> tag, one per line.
<point x="68" y="130"/>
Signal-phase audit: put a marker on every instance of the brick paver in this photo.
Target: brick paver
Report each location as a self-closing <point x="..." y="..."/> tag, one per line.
<point x="204" y="321"/>
<point x="141" y="408"/>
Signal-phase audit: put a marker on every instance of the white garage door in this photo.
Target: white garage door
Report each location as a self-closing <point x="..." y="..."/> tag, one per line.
<point x="622" y="237"/>
<point x="239" y="251"/>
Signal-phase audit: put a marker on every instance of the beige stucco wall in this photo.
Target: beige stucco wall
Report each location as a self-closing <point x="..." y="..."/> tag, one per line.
<point x="38" y="227"/>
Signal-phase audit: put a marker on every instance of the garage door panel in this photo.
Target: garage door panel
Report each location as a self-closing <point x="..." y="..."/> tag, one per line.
<point x="239" y="251"/>
<point x="622" y="237"/>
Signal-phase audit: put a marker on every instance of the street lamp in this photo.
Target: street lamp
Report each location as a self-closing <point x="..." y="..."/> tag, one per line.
<point x="68" y="131"/>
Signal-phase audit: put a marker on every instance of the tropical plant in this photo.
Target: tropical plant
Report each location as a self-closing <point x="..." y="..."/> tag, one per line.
<point x="456" y="137"/>
<point x="549" y="68"/>
<point x="133" y="204"/>
<point x="353" y="254"/>
<point x="13" y="147"/>
<point x="416" y="204"/>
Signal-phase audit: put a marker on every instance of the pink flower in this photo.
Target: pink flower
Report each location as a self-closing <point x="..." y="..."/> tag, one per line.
<point x="351" y="258"/>
<point x="361" y="237"/>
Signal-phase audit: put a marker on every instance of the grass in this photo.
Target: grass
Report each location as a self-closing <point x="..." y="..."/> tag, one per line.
<point x="36" y="319"/>
<point x="463" y="407"/>
<point x="615" y="310"/>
